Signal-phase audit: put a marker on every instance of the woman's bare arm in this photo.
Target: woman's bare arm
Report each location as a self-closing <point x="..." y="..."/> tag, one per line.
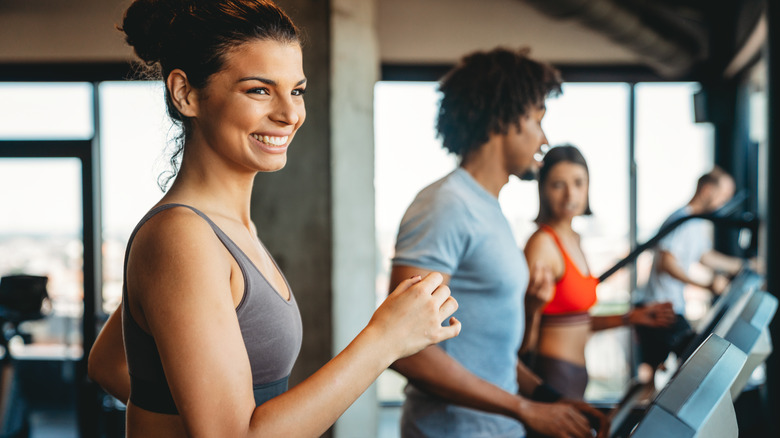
<point x="107" y="365"/>
<point x="546" y="267"/>
<point x="180" y="274"/>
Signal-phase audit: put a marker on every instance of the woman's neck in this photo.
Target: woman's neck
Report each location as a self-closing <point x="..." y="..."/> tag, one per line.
<point x="561" y="226"/>
<point x="212" y="192"/>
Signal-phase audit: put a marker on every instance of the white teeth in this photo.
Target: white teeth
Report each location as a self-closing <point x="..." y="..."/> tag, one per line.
<point x="273" y="141"/>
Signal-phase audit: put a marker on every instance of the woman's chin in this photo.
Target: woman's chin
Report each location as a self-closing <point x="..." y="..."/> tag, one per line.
<point x="273" y="165"/>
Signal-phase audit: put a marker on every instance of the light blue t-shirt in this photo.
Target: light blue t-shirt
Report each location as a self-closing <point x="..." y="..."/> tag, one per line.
<point x="456" y="227"/>
<point x="688" y="242"/>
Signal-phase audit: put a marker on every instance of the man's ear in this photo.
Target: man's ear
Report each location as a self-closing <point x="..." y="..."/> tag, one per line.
<point x="183" y="95"/>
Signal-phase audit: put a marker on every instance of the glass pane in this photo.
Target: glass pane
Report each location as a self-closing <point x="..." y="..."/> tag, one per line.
<point x="671" y="144"/>
<point x="40" y="234"/>
<point x="42" y="111"/>
<point x="672" y="152"/>
<point x="134" y="126"/>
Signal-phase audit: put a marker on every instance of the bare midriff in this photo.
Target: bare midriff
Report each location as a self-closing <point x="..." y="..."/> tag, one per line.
<point x="143" y="423"/>
<point x="564" y="340"/>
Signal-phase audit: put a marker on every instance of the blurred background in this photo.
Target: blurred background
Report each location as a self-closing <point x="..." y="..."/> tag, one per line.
<point x="656" y="93"/>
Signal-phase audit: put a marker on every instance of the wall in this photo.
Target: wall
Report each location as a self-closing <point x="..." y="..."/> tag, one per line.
<point x="62" y="31"/>
<point x="429" y="31"/>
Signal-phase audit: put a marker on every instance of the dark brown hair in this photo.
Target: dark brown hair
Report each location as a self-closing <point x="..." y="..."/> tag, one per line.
<point x="559" y="154"/>
<point x="195" y="36"/>
<point x="487" y="92"/>
<point x="713" y="177"/>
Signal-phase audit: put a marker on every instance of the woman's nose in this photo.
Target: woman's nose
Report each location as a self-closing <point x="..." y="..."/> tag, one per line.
<point x="286" y="112"/>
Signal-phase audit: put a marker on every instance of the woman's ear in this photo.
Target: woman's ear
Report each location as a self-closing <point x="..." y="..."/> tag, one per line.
<point x="183" y="95"/>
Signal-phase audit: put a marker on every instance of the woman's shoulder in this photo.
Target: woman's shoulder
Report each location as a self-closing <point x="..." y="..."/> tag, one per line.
<point x="175" y="231"/>
<point x="175" y="250"/>
<point x="541" y="246"/>
<point x="172" y="220"/>
<point x="540" y="239"/>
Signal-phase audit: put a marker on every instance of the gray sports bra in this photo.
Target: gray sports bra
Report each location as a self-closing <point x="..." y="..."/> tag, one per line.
<point x="270" y="325"/>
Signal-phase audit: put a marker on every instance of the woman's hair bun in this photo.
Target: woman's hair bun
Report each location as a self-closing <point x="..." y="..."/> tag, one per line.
<point x="147" y="25"/>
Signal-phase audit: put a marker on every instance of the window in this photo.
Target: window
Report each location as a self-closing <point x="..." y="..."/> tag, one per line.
<point x="672" y="152"/>
<point x="41" y="226"/>
<point x="41" y="111"/>
<point x="134" y="127"/>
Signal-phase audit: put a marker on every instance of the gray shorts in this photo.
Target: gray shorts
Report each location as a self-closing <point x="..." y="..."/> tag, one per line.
<point x="565" y="377"/>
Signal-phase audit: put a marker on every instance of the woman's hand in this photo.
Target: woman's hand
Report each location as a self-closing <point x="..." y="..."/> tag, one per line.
<point x="541" y="287"/>
<point x="411" y="317"/>
<point x="653" y="315"/>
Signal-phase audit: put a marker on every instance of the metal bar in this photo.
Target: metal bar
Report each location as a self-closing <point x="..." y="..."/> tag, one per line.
<point x="632" y="182"/>
<point x="721" y="216"/>
<point x="772" y="237"/>
<point x="44" y="148"/>
<point x="87" y="391"/>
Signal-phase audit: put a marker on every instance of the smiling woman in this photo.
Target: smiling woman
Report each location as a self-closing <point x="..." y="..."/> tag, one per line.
<point x="209" y="329"/>
<point x="255" y="102"/>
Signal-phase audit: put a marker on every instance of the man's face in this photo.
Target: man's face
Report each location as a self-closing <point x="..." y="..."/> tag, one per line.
<point x="720" y="193"/>
<point x="522" y="142"/>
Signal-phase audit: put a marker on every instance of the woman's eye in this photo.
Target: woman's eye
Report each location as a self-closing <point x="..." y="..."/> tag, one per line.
<point x="299" y="92"/>
<point x="259" y="91"/>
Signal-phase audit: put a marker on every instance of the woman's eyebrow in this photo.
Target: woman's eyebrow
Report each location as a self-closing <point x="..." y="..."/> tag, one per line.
<point x="267" y="81"/>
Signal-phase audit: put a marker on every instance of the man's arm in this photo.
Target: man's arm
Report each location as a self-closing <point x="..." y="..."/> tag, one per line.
<point x="668" y="264"/>
<point x="720" y="262"/>
<point x="436" y="372"/>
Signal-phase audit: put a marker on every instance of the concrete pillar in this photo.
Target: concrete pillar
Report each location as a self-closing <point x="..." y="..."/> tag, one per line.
<point x="316" y="215"/>
<point x="355" y="69"/>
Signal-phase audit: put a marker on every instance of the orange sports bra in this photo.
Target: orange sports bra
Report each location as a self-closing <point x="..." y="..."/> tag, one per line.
<point x="574" y="292"/>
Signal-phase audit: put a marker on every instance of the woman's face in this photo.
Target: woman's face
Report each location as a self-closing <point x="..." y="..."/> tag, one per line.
<point x="566" y="190"/>
<point x="250" y="110"/>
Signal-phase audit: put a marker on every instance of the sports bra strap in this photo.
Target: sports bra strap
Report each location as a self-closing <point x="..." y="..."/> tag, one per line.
<point x="567" y="260"/>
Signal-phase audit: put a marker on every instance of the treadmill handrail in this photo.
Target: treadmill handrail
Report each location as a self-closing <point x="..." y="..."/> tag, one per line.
<point x="719" y="216"/>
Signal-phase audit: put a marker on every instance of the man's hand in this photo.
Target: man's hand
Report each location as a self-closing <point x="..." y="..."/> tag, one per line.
<point x="564" y="419"/>
<point x="598" y="420"/>
<point x="719" y="283"/>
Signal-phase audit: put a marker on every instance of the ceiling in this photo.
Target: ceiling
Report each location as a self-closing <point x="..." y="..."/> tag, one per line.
<point x="674" y="38"/>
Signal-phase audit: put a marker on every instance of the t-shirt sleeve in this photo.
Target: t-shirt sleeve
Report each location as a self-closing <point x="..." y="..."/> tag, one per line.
<point x="433" y="236"/>
<point x="693" y="237"/>
<point x="677" y="239"/>
<point x="673" y="241"/>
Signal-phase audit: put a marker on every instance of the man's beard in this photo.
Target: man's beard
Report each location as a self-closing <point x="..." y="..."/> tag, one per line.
<point x="530" y="174"/>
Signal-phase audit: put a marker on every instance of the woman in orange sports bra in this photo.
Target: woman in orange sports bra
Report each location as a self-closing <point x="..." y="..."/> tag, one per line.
<point x="559" y="323"/>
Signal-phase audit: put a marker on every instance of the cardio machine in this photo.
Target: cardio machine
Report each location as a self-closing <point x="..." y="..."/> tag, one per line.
<point x="22" y="298"/>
